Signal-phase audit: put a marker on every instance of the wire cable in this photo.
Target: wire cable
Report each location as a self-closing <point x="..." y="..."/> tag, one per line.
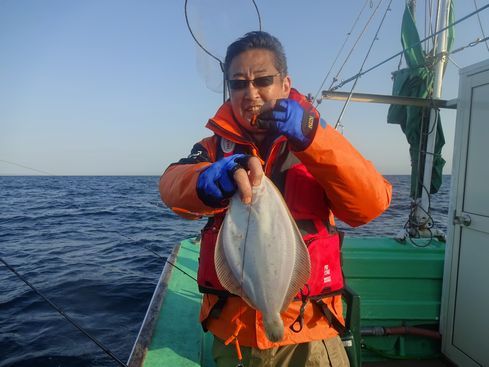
<point x="62" y="313"/>
<point x="363" y="63"/>
<point x="339" y="53"/>
<point x="339" y="85"/>
<point x="355" y="44"/>
<point x="480" y="24"/>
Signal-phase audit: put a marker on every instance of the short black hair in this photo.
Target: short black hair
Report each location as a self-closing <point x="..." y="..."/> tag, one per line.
<point x="257" y="40"/>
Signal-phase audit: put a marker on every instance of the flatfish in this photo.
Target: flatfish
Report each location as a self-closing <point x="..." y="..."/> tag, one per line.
<point x="260" y="255"/>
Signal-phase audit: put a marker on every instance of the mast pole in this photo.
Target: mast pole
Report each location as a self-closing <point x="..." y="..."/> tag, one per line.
<point x="422" y="212"/>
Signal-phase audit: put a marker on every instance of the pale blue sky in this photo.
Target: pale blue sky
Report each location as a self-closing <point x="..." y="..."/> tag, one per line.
<point x="110" y="87"/>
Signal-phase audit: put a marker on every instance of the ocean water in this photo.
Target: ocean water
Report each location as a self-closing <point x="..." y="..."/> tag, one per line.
<point x="84" y="243"/>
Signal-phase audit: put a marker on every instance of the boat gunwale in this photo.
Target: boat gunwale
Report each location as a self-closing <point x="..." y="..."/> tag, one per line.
<point x="145" y="335"/>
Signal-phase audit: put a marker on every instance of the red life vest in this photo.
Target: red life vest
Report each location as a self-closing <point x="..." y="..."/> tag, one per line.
<point x="306" y="201"/>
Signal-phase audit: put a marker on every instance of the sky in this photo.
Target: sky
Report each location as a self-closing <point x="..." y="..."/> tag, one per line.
<point x="119" y="87"/>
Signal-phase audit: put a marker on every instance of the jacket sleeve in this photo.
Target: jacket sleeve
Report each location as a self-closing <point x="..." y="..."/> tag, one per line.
<point x="355" y="190"/>
<point x="178" y="184"/>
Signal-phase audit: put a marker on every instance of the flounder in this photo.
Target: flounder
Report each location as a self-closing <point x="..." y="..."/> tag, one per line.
<point x="260" y="255"/>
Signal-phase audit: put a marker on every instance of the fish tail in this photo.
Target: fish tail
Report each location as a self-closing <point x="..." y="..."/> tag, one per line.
<point x="274" y="327"/>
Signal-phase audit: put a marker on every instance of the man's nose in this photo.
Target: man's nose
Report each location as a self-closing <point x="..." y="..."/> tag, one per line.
<point x="251" y="91"/>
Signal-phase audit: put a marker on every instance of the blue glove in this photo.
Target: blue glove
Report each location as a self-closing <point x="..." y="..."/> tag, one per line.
<point x="290" y="119"/>
<point x="216" y="185"/>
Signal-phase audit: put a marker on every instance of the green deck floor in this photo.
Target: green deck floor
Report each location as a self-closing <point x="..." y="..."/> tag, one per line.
<point x="178" y="339"/>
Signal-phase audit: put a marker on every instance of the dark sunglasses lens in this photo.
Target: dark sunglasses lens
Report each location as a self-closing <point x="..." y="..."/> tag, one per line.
<point x="264" y="81"/>
<point x="238" y="83"/>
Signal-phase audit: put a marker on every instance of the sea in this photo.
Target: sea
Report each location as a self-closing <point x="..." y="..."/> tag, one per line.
<point x="95" y="247"/>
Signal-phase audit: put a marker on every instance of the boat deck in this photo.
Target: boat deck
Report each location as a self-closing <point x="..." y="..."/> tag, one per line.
<point x="171" y="334"/>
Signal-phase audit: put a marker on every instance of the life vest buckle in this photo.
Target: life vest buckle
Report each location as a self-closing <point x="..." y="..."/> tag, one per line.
<point x="300" y="318"/>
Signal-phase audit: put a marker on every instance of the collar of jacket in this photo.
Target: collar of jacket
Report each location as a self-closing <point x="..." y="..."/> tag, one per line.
<point x="224" y="123"/>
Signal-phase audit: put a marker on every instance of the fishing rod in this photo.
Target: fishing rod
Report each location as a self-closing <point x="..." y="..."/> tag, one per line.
<point x="62" y="313"/>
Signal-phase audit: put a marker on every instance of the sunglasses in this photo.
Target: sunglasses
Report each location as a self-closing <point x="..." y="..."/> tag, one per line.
<point x="261" y="82"/>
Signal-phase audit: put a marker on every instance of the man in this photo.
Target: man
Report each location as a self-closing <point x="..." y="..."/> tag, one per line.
<point x="268" y="128"/>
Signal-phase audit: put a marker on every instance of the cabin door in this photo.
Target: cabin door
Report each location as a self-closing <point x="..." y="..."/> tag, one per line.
<point x="465" y="304"/>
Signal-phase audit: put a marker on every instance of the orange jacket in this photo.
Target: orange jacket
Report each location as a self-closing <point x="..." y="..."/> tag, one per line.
<point x="355" y="191"/>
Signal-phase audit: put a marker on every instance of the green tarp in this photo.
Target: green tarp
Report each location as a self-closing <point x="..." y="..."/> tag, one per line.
<point x="417" y="81"/>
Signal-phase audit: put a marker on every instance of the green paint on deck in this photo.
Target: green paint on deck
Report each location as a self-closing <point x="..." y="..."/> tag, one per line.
<point x="398" y="285"/>
<point x="178" y="339"/>
<point x="395" y="281"/>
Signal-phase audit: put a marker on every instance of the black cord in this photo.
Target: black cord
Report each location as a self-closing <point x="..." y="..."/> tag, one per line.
<point x="258" y="14"/>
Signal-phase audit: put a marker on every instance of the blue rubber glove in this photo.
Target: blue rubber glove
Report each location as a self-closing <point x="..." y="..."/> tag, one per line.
<point x="290" y="119"/>
<point x="216" y="185"/>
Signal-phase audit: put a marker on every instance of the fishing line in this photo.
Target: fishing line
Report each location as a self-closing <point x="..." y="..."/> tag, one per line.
<point x="27" y="167"/>
<point x="62" y="313"/>
<point x="161" y="257"/>
<point x="172" y="264"/>
<point x="409" y="48"/>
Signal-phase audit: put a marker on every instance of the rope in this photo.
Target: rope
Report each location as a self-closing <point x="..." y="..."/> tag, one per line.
<point x="363" y="63"/>
<point x="339" y="53"/>
<point x="409" y="48"/>
<point x="432" y="29"/>
<point x="62" y="313"/>
<point x="412" y="225"/>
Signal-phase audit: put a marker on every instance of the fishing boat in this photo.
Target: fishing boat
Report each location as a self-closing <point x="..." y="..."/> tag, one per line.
<point x="408" y="301"/>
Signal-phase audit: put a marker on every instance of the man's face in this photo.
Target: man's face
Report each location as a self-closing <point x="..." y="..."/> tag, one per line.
<point x="246" y="102"/>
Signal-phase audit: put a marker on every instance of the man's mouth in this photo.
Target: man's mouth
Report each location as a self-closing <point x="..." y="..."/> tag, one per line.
<point x="253" y="110"/>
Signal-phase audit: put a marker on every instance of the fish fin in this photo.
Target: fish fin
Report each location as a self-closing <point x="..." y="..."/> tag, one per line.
<point x="224" y="273"/>
<point x="302" y="269"/>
